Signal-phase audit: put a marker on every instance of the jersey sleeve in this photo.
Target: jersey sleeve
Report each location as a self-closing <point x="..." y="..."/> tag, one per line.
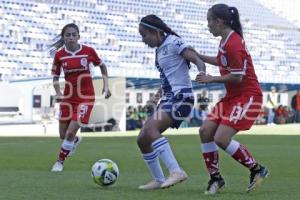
<point x="56" y="66"/>
<point x="95" y="58"/>
<point x="236" y="59"/>
<point x="179" y="45"/>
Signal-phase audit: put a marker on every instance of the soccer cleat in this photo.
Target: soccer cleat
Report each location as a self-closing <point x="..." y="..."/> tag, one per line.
<point x="57" y="167"/>
<point x="257" y="177"/>
<point x="75" y="146"/>
<point x="174" y="178"/>
<point x="152" y="185"/>
<point x="214" y="184"/>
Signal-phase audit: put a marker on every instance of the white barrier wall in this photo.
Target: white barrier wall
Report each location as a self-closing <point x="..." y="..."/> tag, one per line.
<point x="114" y="107"/>
<point x="20" y="94"/>
<point x="10" y="96"/>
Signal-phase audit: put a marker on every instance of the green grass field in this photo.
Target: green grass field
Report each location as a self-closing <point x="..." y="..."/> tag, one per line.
<point x="25" y="168"/>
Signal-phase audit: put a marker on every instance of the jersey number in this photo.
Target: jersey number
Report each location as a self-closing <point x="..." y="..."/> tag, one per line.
<point x="239" y="112"/>
<point x="83" y="110"/>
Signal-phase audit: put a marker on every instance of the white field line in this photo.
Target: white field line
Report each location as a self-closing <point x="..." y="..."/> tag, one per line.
<point x="52" y="131"/>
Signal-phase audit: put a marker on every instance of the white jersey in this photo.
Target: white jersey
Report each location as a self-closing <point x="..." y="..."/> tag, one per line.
<point x="173" y="68"/>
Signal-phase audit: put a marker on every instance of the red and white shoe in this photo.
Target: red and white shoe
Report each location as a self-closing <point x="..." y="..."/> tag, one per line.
<point x="57" y="167"/>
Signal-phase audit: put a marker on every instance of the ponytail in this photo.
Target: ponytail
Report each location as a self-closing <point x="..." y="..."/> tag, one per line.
<point x="230" y="16"/>
<point x="59" y="42"/>
<point x="235" y="23"/>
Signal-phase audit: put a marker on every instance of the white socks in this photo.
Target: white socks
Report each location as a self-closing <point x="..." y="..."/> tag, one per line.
<point x="232" y="147"/>
<point x="162" y="150"/>
<point x="153" y="164"/>
<point x="165" y="153"/>
<point x="67" y="145"/>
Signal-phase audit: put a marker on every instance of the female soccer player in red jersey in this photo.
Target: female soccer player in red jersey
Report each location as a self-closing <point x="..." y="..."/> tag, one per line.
<point x="241" y="105"/>
<point x="77" y="101"/>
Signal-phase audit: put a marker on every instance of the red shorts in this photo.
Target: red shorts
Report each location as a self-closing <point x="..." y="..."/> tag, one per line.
<point x="79" y="112"/>
<point x="237" y="112"/>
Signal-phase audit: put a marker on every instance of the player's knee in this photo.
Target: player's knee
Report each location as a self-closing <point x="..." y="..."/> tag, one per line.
<point x="203" y="131"/>
<point x="220" y="142"/>
<point x="62" y="135"/>
<point x="146" y="137"/>
<point x="139" y="140"/>
<point x="142" y="139"/>
<point x="70" y="135"/>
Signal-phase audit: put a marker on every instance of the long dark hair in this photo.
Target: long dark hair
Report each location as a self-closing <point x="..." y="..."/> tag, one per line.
<point x="59" y="42"/>
<point x="230" y="15"/>
<point x="153" y="22"/>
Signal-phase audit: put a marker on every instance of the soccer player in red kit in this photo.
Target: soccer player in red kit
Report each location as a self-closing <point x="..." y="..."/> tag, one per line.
<point x="77" y="101"/>
<point x="241" y="105"/>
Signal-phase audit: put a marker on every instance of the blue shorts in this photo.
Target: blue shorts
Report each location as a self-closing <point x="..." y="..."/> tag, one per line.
<point x="178" y="107"/>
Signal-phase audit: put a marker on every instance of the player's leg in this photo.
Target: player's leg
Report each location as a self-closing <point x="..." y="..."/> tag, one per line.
<point x="80" y="117"/>
<point x="151" y="133"/>
<point x="210" y="149"/>
<point x="241" y="114"/>
<point x="84" y="109"/>
<point x="241" y="154"/>
<point x="211" y="156"/>
<point x="63" y="126"/>
<point x="153" y="146"/>
<point x="64" y="122"/>
<point x="176" y="109"/>
<point x="77" y="141"/>
<point x="66" y="146"/>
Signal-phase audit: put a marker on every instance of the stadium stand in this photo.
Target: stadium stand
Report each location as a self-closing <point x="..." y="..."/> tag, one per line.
<point x="28" y="27"/>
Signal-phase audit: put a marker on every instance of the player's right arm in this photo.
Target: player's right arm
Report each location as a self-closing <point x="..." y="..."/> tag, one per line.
<point x="208" y="59"/>
<point x="56" y="87"/>
<point x="55" y="71"/>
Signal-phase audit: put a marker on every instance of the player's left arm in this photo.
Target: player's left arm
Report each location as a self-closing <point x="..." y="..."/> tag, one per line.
<point x="104" y="73"/>
<point x="229" y="78"/>
<point x="191" y="55"/>
<point x="97" y="61"/>
<point x="237" y="65"/>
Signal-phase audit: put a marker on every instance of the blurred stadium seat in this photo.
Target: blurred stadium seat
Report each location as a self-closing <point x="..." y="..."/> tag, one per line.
<point x="28" y="27"/>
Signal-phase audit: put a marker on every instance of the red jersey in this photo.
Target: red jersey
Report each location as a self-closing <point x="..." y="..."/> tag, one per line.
<point x="76" y="66"/>
<point x="234" y="58"/>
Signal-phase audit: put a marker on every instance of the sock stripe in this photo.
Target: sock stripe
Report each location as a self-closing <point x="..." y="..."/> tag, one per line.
<point x="158" y="146"/>
<point x="232" y="147"/>
<point x="158" y="140"/>
<point x="209" y="147"/>
<point x="159" y="143"/>
<point x="150" y="156"/>
<point x="67" y="145"/>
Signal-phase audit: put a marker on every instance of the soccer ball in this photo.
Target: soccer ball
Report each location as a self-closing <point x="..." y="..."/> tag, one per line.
<point x="105" y="172"/>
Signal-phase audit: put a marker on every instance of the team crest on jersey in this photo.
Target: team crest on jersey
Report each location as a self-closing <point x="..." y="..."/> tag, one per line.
<point x="83" y="62"/>
<point x="223" y="60"/>
<point x="178" y="42"/>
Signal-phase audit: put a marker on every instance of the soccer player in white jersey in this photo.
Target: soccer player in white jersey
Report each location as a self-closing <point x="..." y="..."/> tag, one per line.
<point x="173" y="56"/>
